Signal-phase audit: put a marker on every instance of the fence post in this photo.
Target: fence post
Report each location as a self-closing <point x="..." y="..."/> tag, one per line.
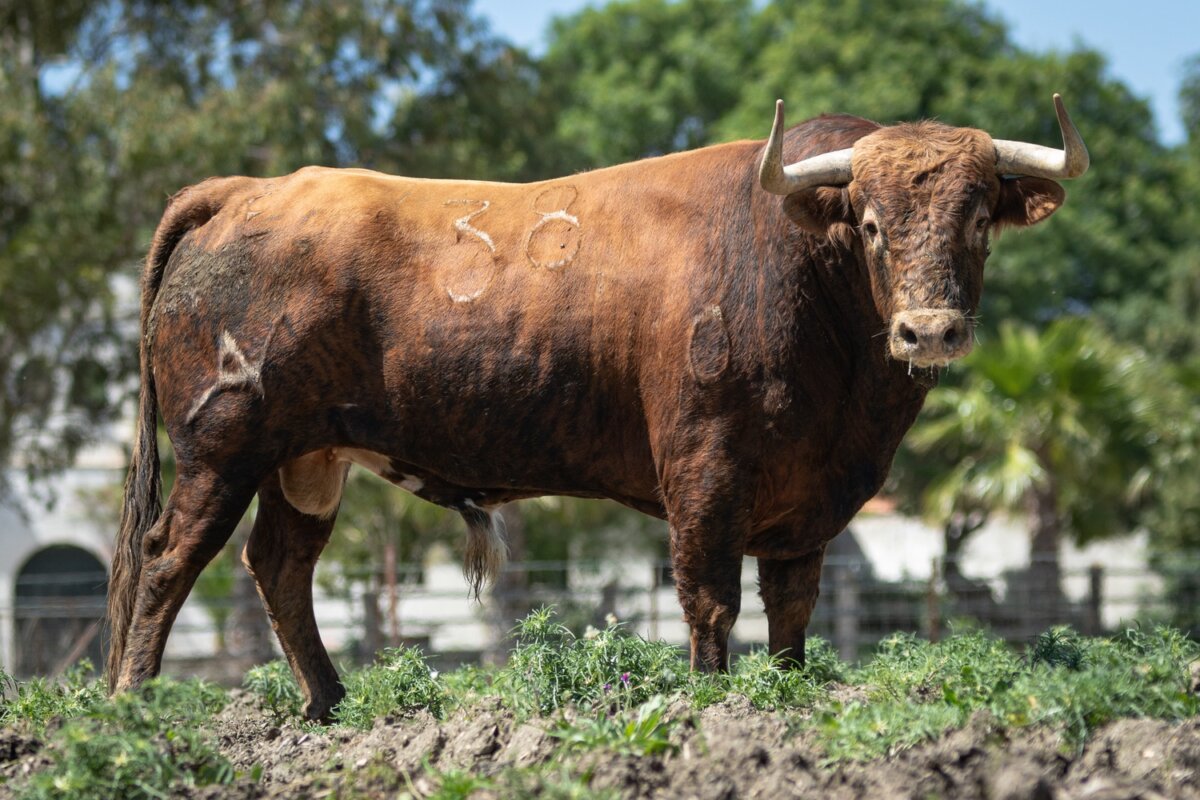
<point x="653" y="605"/>
<point x="1092" y="623"/>
<point x="933" y="601"/>
<point x="372" y="626"/>
<point x="846" y="611"/>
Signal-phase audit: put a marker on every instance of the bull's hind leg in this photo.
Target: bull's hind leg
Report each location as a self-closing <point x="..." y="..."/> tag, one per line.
<point x="199" y="518"/>
<point x="789" y="591"/>
<point x="281" y="554"/>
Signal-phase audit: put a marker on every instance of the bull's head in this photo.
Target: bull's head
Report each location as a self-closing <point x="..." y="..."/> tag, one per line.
<point x="922" y="199"/>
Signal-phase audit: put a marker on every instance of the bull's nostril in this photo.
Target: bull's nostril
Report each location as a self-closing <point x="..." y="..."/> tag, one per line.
<point x="950" y="337"/>
<point x="907" y="334"/>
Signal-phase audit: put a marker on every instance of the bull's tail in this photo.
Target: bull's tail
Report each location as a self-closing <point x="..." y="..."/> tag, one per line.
<point x="487" y="548"/>
<point x="142" y="505"/>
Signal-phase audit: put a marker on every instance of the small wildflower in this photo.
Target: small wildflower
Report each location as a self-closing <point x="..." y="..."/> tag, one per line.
<point x="611" y="619"/>
<point x="590" y="633"/>
<point x="607" y="687"/>
<point x="625" y="678"/>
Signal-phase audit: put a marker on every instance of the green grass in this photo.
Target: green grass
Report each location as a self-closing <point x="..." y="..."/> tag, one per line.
<point x="912" y="690"/>
<point x="544" y="782"/>
<point x="400" y="682"/>
<point x="610" y="691"/>
<point x="762" y="679"/>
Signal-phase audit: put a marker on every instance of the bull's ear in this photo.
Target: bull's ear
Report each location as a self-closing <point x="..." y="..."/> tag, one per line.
<point x="1027" y="201"/>
<point x="818" y="209"/>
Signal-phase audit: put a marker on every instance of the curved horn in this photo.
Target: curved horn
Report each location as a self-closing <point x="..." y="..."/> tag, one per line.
<point x="827" y="169"/>
<point x="1022" y="158"/>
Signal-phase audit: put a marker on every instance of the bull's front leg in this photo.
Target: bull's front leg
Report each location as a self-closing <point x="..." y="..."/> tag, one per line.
<point x="708" y="510"/>
<point x="789" y="590"/>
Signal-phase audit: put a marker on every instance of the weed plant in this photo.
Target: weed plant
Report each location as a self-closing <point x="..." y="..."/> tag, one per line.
<point x="544" y="782"/>
<point x="466" y="685"/>
<point x="400" y="682"/>
<point x="917" y="690"/>
<point x="548" y="782"/>
<point x="768" y="683"/>
<point x="35" y="703"/>
<point x="612" y="668"/>
<point x="609" y="690"/>
<point x="1137" y="673"/>
<point x="642" y="731"/>
<point x="138" y="745"/>
<point x="276" y="688"/>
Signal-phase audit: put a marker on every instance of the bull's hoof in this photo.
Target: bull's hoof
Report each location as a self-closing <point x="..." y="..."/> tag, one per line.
<point x="320" y="708"/>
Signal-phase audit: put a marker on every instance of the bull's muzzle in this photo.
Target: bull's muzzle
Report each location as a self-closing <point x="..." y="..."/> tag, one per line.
<point x="930" y="337"/>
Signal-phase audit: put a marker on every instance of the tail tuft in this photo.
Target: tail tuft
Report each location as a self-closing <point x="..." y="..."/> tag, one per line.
<point x="487" y="548"/>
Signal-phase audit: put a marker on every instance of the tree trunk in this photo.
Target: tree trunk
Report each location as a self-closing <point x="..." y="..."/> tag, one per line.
<point x="372" y="641"/>
<point x="393" y="594"/>
<point x="1045" y="569"/>
<point x="971" y="598"/>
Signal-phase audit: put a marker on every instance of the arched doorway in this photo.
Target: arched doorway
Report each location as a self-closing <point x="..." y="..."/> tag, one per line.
<point x="59" y="610"/>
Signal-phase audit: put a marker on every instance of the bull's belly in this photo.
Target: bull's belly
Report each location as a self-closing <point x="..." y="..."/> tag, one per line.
<point x="488" y="454"/>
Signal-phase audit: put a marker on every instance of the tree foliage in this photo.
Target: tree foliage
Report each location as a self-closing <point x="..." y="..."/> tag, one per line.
<point x="1051" y="426"/>
<point x="109" y="108"/>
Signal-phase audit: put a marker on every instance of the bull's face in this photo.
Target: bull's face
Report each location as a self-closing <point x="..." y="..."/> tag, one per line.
<point x="926" y="199"/>
<point x="922" y="201"/>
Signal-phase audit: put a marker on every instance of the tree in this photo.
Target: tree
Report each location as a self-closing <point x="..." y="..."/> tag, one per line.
<point x="1053" y="427"/>
<point x="56" y="313"/>
<point x="646" y="77"/>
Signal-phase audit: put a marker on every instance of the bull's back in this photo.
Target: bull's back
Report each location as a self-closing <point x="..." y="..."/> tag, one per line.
<point x="491" y="333"/>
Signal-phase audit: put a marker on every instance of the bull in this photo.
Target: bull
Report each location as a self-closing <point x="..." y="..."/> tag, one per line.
<point x="734" y="339"/>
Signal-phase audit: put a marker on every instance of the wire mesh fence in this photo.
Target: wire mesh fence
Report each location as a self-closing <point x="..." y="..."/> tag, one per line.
<point x="55" y="619"/>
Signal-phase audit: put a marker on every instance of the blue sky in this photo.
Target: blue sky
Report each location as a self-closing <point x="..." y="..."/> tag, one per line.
<point x="1146" y="41"/>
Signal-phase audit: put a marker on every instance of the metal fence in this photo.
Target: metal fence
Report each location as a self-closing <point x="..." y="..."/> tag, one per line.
<point x="56" y="622"/>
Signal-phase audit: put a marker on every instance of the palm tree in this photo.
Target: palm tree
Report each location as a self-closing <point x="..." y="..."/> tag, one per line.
<point x="1051" y="426"/>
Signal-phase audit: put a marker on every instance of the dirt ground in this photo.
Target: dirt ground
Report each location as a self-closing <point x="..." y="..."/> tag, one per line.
<point x="727" y="751"/>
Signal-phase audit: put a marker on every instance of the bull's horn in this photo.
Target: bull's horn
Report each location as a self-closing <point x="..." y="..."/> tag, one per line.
<point x="827" y="169"/>
<point x="1022" y="158"/>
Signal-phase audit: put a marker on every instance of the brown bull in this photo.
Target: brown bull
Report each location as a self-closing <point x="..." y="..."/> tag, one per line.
<point x="667" y="334"/>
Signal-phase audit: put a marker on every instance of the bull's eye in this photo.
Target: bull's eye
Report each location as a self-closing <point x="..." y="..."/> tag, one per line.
<point x="870" y="229"/>
<point x="981" y="223"/>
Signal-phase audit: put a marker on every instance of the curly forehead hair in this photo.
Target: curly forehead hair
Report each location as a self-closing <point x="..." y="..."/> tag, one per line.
<point x="905" y="162"/>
